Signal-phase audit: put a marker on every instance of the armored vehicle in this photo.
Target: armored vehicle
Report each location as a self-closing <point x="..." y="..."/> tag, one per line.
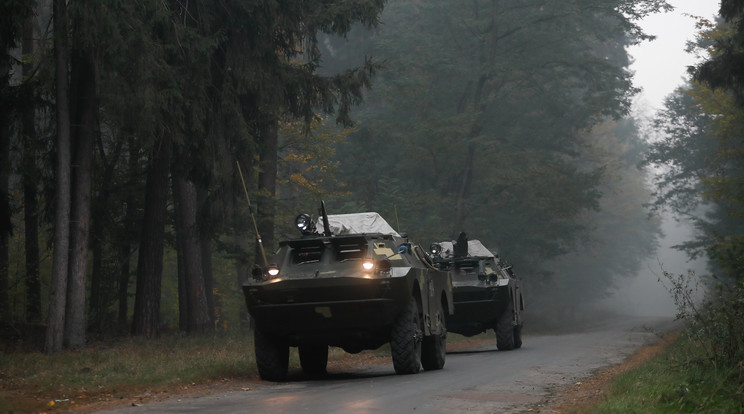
<point x="356" y="285"/>
<point x="487" y="294"/>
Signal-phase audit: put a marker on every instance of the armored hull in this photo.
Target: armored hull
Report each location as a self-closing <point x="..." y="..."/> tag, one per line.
<point x="486" y="293"/>
<point x="350" y="289"/>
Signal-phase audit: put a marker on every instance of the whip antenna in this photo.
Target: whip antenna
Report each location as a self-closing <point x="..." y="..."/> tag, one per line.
<point x="250" y="208"/>
<point x="397" y="222"/>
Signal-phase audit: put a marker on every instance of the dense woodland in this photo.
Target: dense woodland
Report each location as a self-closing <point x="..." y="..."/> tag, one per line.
<point x="125" y="125"/>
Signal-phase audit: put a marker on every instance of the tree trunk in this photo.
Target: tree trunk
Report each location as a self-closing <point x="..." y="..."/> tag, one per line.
<point x="196" y="300"/>
<point x="206" y="255"/>
<point x="58" y="294"/>
<point x="84" y="130"/>
<point x="30" y="188"/>
<point x="123" y="290"/>
<point x="104" y="278"/>
<point x="462" y="193"/>
<point x="205" y="243"/>
<point x="5" y="224"/>
<point x="269" y="136"/>
<point x="127" y="245"/>
<point x="183" y="294"/>
<point x="146" y="319"/>
<point x="7" y="42"/>
<point x="98" y="293"/>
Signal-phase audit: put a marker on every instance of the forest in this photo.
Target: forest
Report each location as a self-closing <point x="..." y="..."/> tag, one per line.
<point x="126" y="127"/>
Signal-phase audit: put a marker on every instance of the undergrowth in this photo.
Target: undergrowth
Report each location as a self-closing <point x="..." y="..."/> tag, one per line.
<point x="703" y="372"/>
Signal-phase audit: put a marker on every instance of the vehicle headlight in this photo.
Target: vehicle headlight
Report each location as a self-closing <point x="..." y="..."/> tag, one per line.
<point x="272" y="270"/>
<point x="368" y="265"/>
<point x="305" y="223"/>
<point x="435" y="249"/>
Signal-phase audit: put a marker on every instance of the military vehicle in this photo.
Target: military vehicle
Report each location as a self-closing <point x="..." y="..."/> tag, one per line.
<point x="356" y="284"/>
<point x="486" y="292"/>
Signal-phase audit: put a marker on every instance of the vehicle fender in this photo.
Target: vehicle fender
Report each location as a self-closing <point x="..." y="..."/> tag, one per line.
<point x="516" y="299"/>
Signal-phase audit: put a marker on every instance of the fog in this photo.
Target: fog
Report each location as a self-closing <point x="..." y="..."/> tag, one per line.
<point x="646" y="294"/>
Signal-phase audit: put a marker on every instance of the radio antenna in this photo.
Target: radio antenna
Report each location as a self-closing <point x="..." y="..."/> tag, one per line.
<point x="250" y="208"/>
<point x="397" y="222"/>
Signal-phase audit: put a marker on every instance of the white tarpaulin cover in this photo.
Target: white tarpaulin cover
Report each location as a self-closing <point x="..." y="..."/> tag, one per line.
<point x="475" y="249"/>
<point x="358" y="223"/>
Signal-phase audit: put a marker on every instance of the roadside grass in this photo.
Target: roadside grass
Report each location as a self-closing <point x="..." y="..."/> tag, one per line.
<point x="124" y="367"/>
<point x="105" y="371"/>
<point x="681" y="379"/>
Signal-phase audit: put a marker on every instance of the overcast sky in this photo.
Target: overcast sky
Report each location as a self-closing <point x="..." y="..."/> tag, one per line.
<point x="660" y="65"/>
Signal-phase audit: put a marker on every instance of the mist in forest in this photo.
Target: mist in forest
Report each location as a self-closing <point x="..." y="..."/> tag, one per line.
<point x="647" y="293"/>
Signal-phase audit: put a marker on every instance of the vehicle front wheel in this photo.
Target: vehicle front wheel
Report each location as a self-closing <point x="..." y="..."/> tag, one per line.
<point x="505" y="332"/>
<point x="272" y="356"/>
<point x="405" y="340"/>
<point x="313" y="359"/>
<point x="434" y="346"/>
<point x="518" y="336"/>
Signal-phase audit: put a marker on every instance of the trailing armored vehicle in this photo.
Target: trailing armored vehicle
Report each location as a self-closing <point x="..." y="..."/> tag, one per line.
<point x="486" y="292"/>
<point x="355" y="284"/>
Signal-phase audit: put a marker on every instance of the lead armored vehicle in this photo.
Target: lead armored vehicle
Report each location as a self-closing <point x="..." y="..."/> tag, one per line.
<point x="355" y="284"/>
<point x="486" y="292"/>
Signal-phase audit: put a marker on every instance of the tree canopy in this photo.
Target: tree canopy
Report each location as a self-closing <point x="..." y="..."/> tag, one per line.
<point x="503" y="119"/>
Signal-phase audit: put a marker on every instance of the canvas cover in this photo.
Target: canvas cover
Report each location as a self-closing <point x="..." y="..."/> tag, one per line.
<point x="358" y="223"/>
<point x="475" y="249"/>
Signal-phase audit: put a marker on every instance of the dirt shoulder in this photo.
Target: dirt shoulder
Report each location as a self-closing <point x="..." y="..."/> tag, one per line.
<point x="583" y="395"/>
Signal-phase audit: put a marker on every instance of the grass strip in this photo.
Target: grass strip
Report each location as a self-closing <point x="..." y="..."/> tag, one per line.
<point x="683" y="378"/>
<point x="127" y="367"/>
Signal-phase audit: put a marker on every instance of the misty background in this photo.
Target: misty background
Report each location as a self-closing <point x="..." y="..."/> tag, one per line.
<point x="520" y="123"/>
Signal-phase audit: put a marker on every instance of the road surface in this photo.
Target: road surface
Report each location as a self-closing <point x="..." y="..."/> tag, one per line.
<point x="480" y="380"/>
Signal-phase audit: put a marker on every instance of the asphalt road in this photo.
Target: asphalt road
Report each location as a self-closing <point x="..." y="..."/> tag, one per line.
<point x="481" y="380"/>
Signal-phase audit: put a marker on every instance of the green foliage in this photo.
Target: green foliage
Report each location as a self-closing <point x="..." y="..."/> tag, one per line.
<point x="480" y="122"/>
<point x="130" y="367"/>
<point x="703" y="370"/>
<point x="14" y="13"/>
<point x="700" y="152"/>
<point x="715" y="322"/>
<point x="676" y="381"/>
<point x="622" y="233"/>
<point x="725" y="64"/>
<point x="308" y="171"/>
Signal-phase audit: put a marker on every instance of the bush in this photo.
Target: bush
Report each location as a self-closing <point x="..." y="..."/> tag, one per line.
<point x="714" y="323"/>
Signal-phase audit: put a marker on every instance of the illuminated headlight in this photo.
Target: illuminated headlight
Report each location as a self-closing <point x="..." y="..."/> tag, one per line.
<point x="435" y="249"/>
<point x="303" y="222"/>
<point x="368" y="265"/>
<point x="272" y="270"/>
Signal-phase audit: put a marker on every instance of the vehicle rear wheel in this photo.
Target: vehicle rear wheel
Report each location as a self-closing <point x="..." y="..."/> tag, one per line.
<point x="505" y="332"/>
<point x="272" y="356"/>
<point x="517" y="336"/>
<point x="434" y="346"/>
<point x="405" y="340"/>
<point x="313" y="359"/>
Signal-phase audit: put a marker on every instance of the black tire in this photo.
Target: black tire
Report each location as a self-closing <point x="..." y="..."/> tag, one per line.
<point x="505" y="332"/>
<point x="313" y="359"/>
<point x="434" y="347"/>
<point x="272" y="356"/>
<point x="517" y="336"/>
<point x="405" y="340"/>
